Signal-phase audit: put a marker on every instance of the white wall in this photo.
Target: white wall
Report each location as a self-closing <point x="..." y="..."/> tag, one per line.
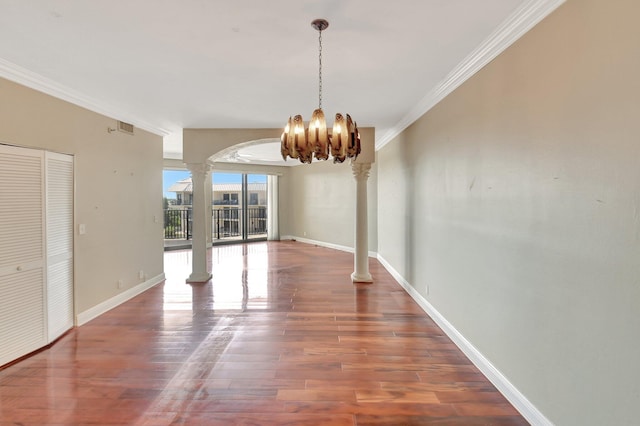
<point x="118" y="188"/>
<point x="513" y="208"/>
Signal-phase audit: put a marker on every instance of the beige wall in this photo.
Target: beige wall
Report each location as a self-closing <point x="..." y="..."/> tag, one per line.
<point x="318" y="200"/>
<point x="323" y="204"/>
<point x="118" y="188"/>
<point x="519" y="196"/>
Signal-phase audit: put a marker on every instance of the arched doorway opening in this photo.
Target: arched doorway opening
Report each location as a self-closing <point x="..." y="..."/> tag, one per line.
<point x="243" y="202"/>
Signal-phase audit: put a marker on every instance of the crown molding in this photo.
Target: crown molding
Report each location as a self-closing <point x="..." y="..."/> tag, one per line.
<point x="35" y="81"/>
<point x="515" y="26"/>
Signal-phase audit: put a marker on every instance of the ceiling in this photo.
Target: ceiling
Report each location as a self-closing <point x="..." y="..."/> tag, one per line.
<point x="167" y="65"/>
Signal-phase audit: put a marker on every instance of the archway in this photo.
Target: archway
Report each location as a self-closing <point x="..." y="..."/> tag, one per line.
<point x="201" y="147"/>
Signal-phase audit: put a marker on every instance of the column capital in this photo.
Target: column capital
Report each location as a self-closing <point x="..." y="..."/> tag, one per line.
<point x="361" y="170"/>
<point x="199" y="168"/>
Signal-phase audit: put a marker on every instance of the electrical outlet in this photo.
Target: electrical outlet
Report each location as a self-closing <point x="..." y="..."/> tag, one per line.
<point x="141" y="274"/>
<point x="120" y="284"/>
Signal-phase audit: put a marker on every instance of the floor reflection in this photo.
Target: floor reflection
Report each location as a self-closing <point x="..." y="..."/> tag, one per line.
<point x="240" y="279"/>
<point x="279" y="336"/>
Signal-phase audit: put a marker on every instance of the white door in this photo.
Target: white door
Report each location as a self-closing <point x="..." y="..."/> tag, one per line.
<point x="22" y="273"/>
<point x="36" y="249"/>
<point x="59" y="243"/>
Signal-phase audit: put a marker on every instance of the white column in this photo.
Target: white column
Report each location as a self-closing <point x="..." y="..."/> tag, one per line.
<point x="208" y="195"/>
<point x="199" y="274"/>
<point x="273" y="230"/>
<point x="361" y="257"/>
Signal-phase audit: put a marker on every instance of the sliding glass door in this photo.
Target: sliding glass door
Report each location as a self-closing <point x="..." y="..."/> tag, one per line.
<point x="239" y="207"/>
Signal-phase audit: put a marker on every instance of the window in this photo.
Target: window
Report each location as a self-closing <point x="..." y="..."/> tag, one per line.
<point x="239" y="207"/>
<point x="230" y="199"/>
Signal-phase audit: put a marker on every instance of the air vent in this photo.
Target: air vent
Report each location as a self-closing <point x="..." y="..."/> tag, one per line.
<point x="125" y="127"/>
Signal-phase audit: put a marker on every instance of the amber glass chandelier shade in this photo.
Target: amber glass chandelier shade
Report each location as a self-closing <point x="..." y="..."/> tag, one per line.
<point x="339" y="139"/>
<point x="303" y="143"/>
<point x="353" y="146"/>
<point x="284" y="140"/>
<point x="319" y="135"/>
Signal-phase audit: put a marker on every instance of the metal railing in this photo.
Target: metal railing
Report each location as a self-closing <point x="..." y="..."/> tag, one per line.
<point x="225" y="223"/>
<point x="256" y="220"/>
<point x="177" y="224"/>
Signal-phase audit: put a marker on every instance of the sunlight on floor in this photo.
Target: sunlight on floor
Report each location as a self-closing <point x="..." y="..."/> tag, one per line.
<point x="232" y="266"/>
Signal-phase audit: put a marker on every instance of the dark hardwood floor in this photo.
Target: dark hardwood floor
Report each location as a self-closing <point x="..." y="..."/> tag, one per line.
<point x="280" y="336"/>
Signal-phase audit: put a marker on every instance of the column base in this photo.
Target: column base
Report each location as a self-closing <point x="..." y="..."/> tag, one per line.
<point x="199" y="278"/>
<point x="361" y="278"/>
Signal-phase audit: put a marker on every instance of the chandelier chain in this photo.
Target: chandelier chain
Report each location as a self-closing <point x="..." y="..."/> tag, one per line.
<point x="320" y="69"/>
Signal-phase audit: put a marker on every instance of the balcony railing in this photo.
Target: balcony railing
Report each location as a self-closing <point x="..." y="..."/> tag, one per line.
<point x="177" y="224"/>
<point x="226" y="223"/>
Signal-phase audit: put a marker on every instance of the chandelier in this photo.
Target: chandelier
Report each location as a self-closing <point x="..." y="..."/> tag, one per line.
<point x="303" y="143"/>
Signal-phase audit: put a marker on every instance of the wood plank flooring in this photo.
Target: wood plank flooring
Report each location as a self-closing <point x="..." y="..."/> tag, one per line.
<point x="280" y="336"/>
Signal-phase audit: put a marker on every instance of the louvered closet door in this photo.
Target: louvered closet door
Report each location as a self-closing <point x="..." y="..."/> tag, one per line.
<point x="22" y="293"/>
<point x="59" y="240"/>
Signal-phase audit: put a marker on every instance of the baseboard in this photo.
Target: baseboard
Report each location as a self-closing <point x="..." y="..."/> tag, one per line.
<point x="107" y="305"/>
<point x="506" y="388"/>
<point x="325" y="244"/>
